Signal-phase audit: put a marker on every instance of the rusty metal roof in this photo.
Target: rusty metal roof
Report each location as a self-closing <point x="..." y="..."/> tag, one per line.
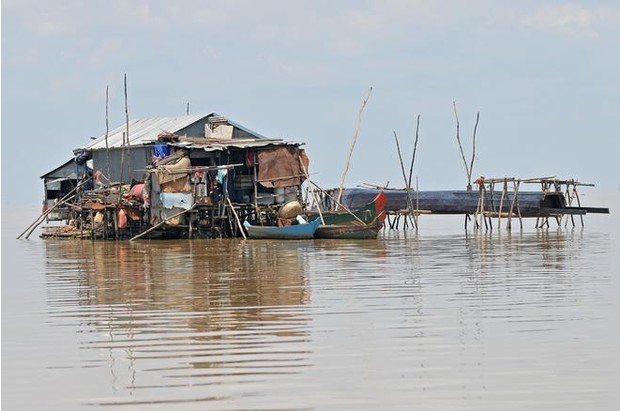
<point x="146" y="130"/>
<point x="143" y="130"/>
<point x="225" y="144"/>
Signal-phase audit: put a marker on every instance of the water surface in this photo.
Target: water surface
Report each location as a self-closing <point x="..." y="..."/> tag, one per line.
<point x="441" y="319"/>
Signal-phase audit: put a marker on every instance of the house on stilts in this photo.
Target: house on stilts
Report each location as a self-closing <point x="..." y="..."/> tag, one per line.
<point x="173" y="177"/>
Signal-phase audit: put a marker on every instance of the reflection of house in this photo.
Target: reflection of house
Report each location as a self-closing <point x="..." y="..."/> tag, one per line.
<point x="197" y="174"/>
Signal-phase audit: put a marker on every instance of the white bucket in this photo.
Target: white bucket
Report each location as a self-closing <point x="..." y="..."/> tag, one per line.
<point x="290" y="193"/>
<point x="279" y="192"/>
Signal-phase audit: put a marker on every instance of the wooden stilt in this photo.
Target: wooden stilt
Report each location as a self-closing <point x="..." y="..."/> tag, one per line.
<point x="156" y="226"/>
<point x="232" y="208"/>
<point x="501" y="203"/>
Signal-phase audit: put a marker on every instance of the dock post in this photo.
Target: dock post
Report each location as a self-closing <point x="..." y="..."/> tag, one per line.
<point x="501" y="203"/>
<point x="578" y="201"/>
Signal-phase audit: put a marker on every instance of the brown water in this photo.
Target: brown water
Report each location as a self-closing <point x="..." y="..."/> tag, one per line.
<point x="439" y="320"/>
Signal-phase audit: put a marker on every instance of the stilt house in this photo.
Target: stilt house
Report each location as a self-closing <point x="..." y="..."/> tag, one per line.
<point x="190" y="175"/>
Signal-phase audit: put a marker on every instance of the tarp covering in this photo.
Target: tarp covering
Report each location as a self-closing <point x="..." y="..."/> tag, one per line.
<point x="180" y="200"/>
<point x="173" y="177"/>
<point x="280" y="167"/>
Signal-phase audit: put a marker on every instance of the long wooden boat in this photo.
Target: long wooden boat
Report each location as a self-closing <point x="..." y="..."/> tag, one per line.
<point x="349" y="231"/>
<point x="289" y="232"/>
<point x="530" y="203"/>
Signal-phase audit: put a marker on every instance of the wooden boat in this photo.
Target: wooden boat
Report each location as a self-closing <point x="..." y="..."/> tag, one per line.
<point x="363" y="223"/>
<point x="367" y="214"/>
<point x="530" y="203"/>
<point x="349" y="231"/>
<point x="289" y="232"/>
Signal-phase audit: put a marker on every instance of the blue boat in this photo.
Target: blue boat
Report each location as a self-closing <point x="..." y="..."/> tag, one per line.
<point x="289" y="232"/>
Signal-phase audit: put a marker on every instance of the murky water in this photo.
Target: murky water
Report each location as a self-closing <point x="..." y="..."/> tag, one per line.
<point x="441" y="320"/>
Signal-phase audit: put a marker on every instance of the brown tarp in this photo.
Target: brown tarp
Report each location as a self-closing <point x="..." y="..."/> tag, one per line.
<point x="279" y="167"/>
<point x="172" y="178"/>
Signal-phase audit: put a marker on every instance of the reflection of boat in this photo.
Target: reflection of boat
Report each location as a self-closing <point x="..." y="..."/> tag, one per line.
<point x="349" y="231"/>
<point x="289" y="232"/>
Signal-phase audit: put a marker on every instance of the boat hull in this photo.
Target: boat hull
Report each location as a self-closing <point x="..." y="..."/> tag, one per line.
<point x="291" y="232"/>
<point x="348" y="231"/>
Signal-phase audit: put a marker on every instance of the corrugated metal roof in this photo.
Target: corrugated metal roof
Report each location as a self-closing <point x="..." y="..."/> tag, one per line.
<point x="68" y="164"/>
<point x="144" y="130"/>
<point x="241" y="144"/>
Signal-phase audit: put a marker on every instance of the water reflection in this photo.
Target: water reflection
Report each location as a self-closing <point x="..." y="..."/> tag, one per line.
<point x="174" y="313"/>
<point x="479" y="319"/>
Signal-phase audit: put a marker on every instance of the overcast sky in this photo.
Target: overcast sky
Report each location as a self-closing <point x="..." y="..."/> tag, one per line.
<point x="544" y="75"/>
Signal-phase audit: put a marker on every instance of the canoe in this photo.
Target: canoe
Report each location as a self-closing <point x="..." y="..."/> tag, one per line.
<point x="348" y="231"/>
<point x="289" y="232"/>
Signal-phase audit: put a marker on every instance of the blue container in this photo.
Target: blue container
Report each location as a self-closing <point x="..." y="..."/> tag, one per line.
<point x="161" y="150"/>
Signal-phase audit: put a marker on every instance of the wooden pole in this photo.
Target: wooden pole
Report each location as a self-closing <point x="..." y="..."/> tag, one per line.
<point x="473" y="152"/>
<point x="142" y="234"/>
<point x="402" y="169"/>
<point x="415" y="147"/>
<point x="41" y="218"/>
<point x="517" y="202"/>
<point x="407" y="182"/>
<point x="501" y="203"/>
<point x="107" y="131"/>
<point x="230" y="204"/>
<point x="578" y="202"/>
<point x="126" y="112"/>
<point x="256" y="189"/>
<point x="355" y="135"/>
<point x="458" y="140"/>
<point x="337" y="202"/>
<point x="125" y="144"/>
<point x="47" y="212"/>
<point x="468" y="167"/>
<point x="417" y="199"/>
<point x="316" y="200"/>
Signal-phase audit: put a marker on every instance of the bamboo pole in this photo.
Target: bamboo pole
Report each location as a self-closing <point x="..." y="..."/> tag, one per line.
<point x="126" y="111"/>
<point x="337" y="202"/>
<point x="569" y="196"/>
<point x="473" y="151"/>
<point x="458" y="140"/>
<point x="355" y="135"/>
<point x="142" y="234"/>
<point x="47" y="212"/>
<point x="468" y="167"/>
<point x="318" y="206"/>
<point x="402" y="166"/>
<point x="406" y="181"/>
<point x="512" y="203"/>
<point x="417" y="197"/>
<point x="230" y="204"/>
<point x="578" y="203"/>
<point x="256" y="189"/>
<point x="518" y="206"/>
<point x="415" y="147"/>
<point x="125" y="143"/>
<point x="41" y="218"/>
<point x="125" y="136"/>
<point x="107" y="131"/>
<point x="501" y="204"/>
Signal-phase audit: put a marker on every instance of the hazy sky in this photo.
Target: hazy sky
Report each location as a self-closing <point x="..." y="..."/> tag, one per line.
<point x="544" y="75"/>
